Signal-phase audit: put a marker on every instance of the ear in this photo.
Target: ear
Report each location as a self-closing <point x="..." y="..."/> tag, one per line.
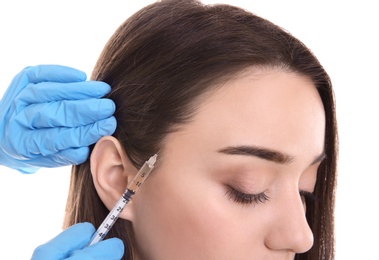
<point x="111" y="171"/>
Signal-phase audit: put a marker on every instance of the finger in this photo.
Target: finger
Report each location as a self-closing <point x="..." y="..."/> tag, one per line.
<point x="51" y="91"/>
<point x="49" y="141"/>
<point x="73" y="156"/>
<point x="74" y="238"/>
<point x="112" y="248"/>
<point x="54" y="73"/>
<point x="41" y="73"/>
<point x="67" y="113"/>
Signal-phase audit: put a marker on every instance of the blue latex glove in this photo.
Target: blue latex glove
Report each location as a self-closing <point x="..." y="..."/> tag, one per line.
<point x="70" y="244"/>
<point x="49" y="115"/>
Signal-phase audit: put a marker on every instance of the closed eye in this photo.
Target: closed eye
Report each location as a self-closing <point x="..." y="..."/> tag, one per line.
<point x="244" y="198"/>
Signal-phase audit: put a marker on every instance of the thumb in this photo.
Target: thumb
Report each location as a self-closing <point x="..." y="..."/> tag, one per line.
<point x="110" y="249"/>
<point x="74" y="238"/>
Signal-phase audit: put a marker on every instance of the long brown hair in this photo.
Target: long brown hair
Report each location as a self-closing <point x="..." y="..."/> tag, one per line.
<point x="164" y="58"/>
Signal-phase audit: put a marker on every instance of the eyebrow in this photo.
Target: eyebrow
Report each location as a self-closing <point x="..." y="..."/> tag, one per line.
<point x="264" y="153"/>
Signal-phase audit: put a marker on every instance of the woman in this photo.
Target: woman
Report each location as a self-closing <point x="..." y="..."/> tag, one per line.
<point x="242" y="116"/>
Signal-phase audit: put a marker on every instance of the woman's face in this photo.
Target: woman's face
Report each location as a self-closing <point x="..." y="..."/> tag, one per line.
<point x="229" y="184"/>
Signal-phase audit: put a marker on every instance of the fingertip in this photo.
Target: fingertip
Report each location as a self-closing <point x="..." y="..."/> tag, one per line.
<point x="107" y="88"/>
<point x="73" y="156"/>
<point x="58" y="73"/>
<point x="117" y="245"/>
<point x="107" y="107"/>
<point x="110" y="247"/>
<point x="108" y="126"/>
<point x="85" y="227"/>
<point x="102" y="128"/>
<point x="53" y="73"/>
<point x="82" y="76"/>
<point x="101" y="87"/>
<point x="81" y="155"/>
<point x="27" y="170"/>
<point x="72" y="73"/>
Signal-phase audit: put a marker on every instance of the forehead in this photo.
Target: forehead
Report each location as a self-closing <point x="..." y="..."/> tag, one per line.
<point x="266" y="107"/>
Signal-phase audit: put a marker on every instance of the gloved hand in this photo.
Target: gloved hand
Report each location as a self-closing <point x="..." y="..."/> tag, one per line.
<point x="70" y="244"/>
<point x="49" y="115"/>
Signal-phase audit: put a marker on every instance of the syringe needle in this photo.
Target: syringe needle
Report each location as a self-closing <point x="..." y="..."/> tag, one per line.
<point x="132" y="188"/>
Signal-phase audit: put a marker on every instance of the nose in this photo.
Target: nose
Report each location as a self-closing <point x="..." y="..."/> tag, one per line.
<point x="289" y="230"/>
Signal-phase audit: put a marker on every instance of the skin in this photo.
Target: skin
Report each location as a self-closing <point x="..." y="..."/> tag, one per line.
<point x="186" y="209"/>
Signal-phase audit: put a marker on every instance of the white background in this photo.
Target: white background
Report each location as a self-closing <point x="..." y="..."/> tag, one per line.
<point x="343" y="35"/>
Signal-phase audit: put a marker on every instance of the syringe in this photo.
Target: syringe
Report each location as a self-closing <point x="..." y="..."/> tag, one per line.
<point x="132" y="188"/>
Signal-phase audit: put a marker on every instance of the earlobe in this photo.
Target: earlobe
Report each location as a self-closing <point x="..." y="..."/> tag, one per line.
<point x="111" y="170"/>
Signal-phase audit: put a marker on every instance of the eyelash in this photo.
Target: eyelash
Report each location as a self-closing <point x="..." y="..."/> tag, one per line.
<point x="243" y="198"/>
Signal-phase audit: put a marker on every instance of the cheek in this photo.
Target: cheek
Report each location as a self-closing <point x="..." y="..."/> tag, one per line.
<point x="176" y="215"/>
<point x="191" y="215"/>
